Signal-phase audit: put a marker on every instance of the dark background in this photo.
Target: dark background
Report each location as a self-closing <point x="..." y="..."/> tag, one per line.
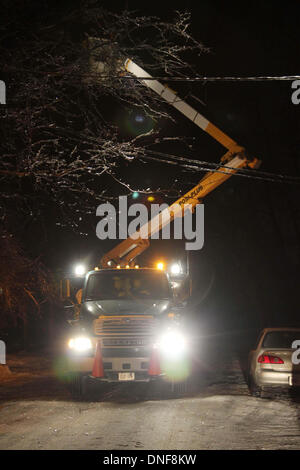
<point x="247" y="275"/>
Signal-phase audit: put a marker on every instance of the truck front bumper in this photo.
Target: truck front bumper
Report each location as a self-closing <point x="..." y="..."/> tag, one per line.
<point x="112" y="367"/>
<point x="114" y="377"/>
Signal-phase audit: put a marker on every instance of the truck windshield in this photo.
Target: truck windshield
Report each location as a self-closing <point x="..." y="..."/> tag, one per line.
<point x="127" y="285"/>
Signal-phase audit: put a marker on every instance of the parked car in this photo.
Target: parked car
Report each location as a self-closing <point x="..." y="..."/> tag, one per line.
<point x="271" y="364"/>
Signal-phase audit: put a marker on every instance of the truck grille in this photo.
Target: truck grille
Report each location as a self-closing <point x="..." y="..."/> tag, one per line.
<point x="145" y="341"/>
<point x="126" y="352"/>
<point x="125" y="325"/>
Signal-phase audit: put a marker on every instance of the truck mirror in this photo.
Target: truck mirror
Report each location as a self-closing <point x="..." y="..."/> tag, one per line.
<point x="79" y="296"/>
<point x="69" y="311"/>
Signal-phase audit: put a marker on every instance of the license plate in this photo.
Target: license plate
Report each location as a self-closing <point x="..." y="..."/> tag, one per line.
<point x="126" y="376"/>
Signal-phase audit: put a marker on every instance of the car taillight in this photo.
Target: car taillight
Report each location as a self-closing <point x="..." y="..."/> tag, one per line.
<point x="268" y="359"/>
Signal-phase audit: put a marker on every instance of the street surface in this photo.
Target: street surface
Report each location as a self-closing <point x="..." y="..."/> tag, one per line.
<point x="217" y="412"/>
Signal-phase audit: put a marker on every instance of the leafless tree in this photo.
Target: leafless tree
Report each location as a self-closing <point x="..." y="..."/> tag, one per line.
<point x="25" y="285"/>
<point x="62" y="70"/>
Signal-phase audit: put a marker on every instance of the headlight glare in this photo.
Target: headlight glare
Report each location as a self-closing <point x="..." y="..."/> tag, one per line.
<point x="80" y="344"/>
<point x="172" y="343"/>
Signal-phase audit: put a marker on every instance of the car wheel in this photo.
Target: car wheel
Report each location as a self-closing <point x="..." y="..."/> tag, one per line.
<point x="254" y="389"/>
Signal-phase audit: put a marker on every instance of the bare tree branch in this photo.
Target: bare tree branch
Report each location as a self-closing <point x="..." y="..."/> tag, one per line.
<point x="63" y="75"/>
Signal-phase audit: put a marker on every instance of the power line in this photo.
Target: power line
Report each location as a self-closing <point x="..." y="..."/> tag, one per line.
<point x="260" y="78"/>
<point x="196" y="165"/>
<point x="224" y="165"/>
<point x="204" y="78"/>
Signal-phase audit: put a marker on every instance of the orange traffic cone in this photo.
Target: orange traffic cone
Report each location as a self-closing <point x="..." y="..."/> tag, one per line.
<point x="154" y="366"/>
<point x="98" y="364"/>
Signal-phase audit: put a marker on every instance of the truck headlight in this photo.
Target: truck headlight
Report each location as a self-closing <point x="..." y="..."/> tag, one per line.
<point x="80" y="344"/>
<point x="172" y="344"/>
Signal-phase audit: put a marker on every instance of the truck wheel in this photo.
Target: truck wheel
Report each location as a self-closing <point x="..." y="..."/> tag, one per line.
<point x="179" y="389"/>
<point x="77" y="385"/>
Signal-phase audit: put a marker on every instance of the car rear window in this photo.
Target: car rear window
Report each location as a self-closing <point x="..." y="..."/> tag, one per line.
<point x="280" y="339"/>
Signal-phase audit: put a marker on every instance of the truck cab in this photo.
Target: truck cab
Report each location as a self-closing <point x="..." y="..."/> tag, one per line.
<point x="128" y="327"/>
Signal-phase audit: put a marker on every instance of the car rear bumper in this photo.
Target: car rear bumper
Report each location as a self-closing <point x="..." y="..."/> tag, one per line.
<point x="281" y="378"/>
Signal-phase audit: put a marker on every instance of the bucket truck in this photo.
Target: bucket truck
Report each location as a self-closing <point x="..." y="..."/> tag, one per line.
<point x="129" y="327"/>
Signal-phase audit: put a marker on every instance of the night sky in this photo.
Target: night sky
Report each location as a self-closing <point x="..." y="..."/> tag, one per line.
<point x="247" y="274"/>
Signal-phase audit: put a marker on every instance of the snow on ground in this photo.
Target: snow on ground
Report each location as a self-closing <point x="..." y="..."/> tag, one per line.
<point x="37" y="412"/>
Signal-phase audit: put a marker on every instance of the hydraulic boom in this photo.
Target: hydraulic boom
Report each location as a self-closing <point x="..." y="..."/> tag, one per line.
<point x="234" y="159"/>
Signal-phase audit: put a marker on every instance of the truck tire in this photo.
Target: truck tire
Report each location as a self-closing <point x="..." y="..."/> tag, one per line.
<point x="77" y="385"/>
<point x="178" y="389"/>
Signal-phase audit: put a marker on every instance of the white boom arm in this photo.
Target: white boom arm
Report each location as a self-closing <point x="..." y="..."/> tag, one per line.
<point x="168" y="95"/>
<point x="126" y="251"/>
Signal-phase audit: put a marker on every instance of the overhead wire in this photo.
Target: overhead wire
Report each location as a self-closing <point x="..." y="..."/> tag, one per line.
<point x="198" y="165"/>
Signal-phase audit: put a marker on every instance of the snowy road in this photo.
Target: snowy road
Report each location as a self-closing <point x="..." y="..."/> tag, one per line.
<point x="37" y="412"/>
